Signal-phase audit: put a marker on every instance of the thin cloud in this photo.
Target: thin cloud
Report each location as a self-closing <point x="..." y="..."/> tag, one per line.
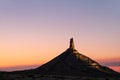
<point x="110" y="62"/>
<point x="115" y="63"/>
<point x="17" y="68"/>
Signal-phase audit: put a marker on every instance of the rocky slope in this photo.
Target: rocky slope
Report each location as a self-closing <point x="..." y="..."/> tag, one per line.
<point x="71" y="62"/>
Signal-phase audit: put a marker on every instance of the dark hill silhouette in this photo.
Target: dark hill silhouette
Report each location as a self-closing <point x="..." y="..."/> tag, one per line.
<point x="71" y="62"/>
<point x="67" y="65"/>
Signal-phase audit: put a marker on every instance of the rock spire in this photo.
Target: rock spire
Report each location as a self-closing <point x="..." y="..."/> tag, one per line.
<point x="72" y="44"/>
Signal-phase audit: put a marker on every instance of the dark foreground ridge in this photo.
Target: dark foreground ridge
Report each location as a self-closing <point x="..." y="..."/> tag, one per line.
<point x="69" y="63"/>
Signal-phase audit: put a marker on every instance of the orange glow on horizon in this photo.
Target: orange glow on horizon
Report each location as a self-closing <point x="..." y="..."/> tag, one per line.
<point x="35" y="54"/>
<point x="116" y="68"/>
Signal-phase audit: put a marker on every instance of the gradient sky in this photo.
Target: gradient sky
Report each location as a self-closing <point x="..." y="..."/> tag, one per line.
<point x="33" y="32"/>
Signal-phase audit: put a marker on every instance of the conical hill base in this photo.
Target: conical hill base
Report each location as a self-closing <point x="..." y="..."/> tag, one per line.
<point x="71" y="62"/>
